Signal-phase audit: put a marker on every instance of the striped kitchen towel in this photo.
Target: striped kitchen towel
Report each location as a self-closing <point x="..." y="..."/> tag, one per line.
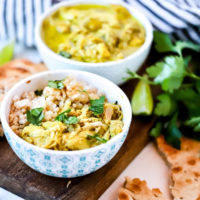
<point x="181" y="18"/>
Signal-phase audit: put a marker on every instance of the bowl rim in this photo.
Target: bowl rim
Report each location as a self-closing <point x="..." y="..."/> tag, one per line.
<point x="146" y="23"/>
<point x="40" y="75"/>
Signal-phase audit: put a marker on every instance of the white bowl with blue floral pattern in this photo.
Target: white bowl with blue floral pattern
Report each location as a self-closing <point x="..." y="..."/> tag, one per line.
<point x="66" y="164"/>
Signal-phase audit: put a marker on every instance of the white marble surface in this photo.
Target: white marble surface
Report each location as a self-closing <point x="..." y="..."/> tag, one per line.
<point x="5" y="195"/>
<point x="149" y="166"/>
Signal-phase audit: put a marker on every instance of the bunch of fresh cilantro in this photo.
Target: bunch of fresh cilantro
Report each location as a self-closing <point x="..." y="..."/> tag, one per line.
<point x="178" y="106"/>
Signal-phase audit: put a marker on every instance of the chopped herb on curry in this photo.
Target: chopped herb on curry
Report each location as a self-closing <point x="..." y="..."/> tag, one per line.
<point x="56" y="84"/>
<point x="35" y="116"/>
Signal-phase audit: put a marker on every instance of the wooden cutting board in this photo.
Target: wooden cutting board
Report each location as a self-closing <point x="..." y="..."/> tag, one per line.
<point x="18" y="178"/>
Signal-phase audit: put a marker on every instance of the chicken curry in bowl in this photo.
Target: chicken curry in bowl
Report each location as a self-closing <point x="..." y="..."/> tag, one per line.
<point x="93" y="33"/>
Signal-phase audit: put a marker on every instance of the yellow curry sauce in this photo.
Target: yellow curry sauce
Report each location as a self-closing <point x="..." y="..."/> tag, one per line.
<point x="93" y="33"/>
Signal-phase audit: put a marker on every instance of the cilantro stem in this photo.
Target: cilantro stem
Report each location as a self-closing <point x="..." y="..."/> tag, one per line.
<point x="98" y="138"/>
<point x="134" y="75"/>
<point x="186" y="85"/>
<point x="192" y="75"/>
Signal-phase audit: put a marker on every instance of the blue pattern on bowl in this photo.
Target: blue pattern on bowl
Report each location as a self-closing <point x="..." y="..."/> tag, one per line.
<point x="64" y="166"/>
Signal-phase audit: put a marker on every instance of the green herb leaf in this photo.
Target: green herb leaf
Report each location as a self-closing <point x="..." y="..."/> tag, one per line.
<point x="163" y="42"/>
<point x="190" y="99"/>
<point x="187" y="94"/>
<point x="197" y="128"/>
<point x="84" y="91"/>
<point x="180" y="45"/>
<point x="97" y="105"/>
<point x="71" y="120"/>
<point x="6" y="53"/>
<point x="173" y="134"/>
<point x="65" y="54"/>
<point x="157" y="130"/>
<point x="187" y="60"/>
<point x="169" y="74"/>
<point x="178" y="76"/>
<point x="61" y="116"/>
<point x="98" y="138"/>
<point x="38" y="92"/>
<point x="134" y="75"/>
<point x="166" y="106"/>
<point x="193" y="107"/>
<point x="194" y="122"/>
<point x="35" y="116"/>
<point x="197" y="85"/>
<point x="56" y="84"/>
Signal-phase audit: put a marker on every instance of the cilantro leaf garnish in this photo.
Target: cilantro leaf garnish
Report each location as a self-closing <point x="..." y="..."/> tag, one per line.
<point x="194" y="122"/>
<point x="35" y="116"/>
<point x="71" y="120"/>
<point x="197" y="86"/>
<point x="56" y="84"/>
<point x="163" y="43"/>
<point x="65" y="54"/>
<point x="63" y="117"/>
<point x="134" y="75"/>
<point x="98" y="138"/>
<point x="97" y="105"/>
<point x="38" y="92"/>
<point x="180" y="45"/>
<point x="166" y="105"/>
<point x="190" y="99"/>
<point x="156" y="130"/>
<point x="185" y="94"/>
<point x="169" y="73"/>
<point x="173" y="134"/>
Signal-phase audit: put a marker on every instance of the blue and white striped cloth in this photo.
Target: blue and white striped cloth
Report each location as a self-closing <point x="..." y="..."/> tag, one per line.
<point x="181" y="18"/>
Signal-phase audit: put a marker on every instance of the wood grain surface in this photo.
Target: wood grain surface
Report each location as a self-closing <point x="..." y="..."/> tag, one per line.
<point x="18" y="178"/>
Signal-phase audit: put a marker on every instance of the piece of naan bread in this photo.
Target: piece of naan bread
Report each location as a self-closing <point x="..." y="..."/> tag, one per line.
<point x="14" y="71"/>
<point x="135" y="189"/>
<point x="185" y="168"/>
<point x="1" y="130"/>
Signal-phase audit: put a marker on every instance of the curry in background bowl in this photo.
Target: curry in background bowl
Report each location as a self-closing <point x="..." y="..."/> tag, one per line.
<point x="111" y="67"/>
<point x="93" y="33"/>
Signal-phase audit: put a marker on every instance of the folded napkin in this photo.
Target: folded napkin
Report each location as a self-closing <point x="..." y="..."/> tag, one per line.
<point x="179" y="17"/>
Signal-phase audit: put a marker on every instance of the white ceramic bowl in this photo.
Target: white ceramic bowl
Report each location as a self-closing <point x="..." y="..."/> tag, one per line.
<point x="113" y="70"/>
<point x="66" y="163"/>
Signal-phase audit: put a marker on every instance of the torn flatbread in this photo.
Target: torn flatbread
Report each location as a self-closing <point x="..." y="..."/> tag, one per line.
<point x="1" y="130"/>
<point x="14" y="71"/>
<point x="185" y="168"/>
<point x="135" y="189"/>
